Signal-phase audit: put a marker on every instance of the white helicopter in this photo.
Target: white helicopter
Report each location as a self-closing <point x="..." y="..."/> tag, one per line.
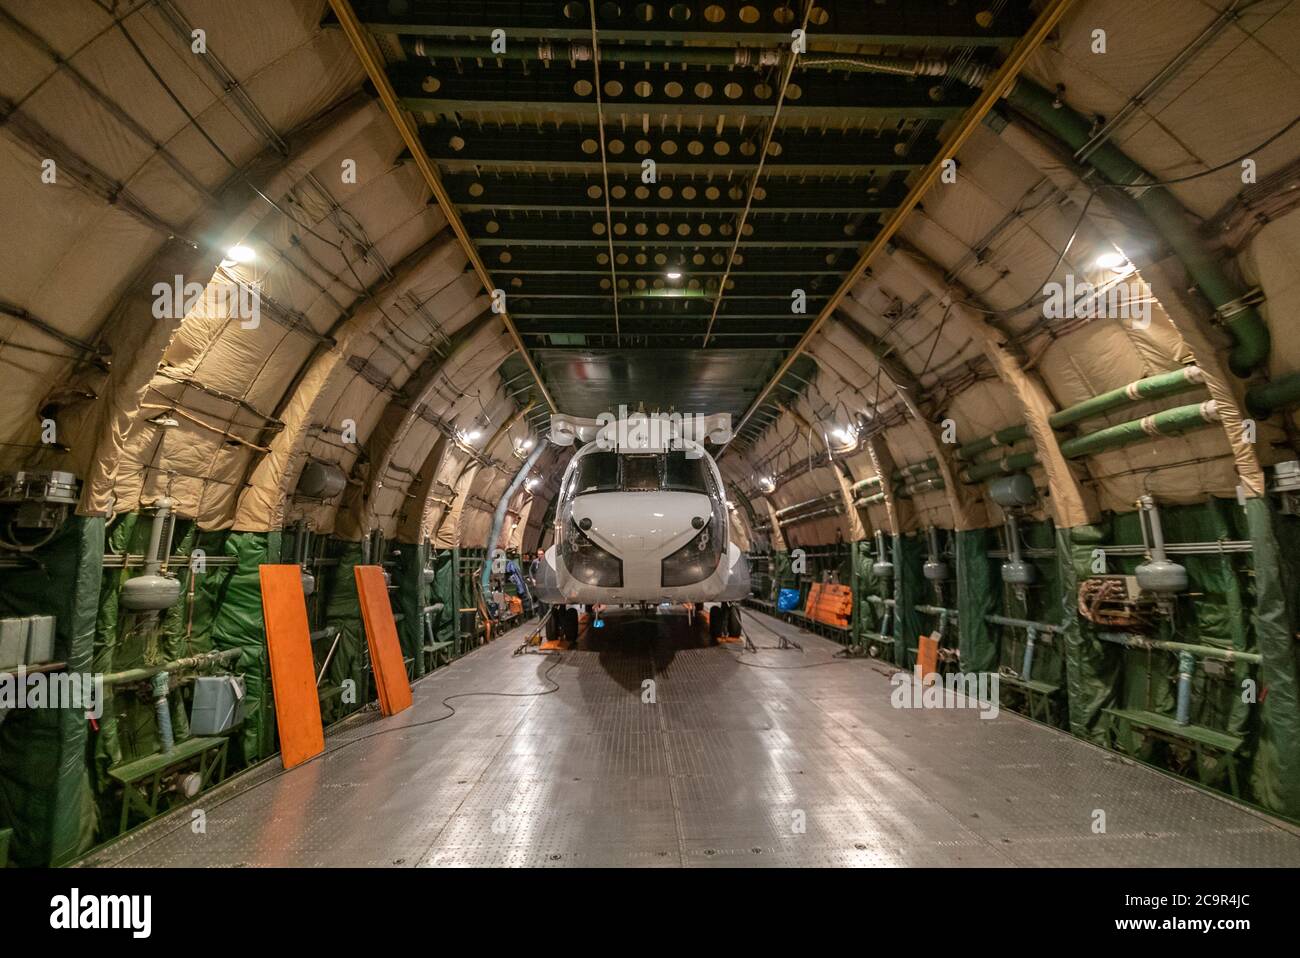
<point x="641" y="520"/>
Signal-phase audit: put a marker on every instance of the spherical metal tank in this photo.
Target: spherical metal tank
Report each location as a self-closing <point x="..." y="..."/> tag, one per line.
<point x="1162" y="577"/>
<point x="148" y="593"/>
<point x="1018" y="572"/>
<point x="935" y="570"/>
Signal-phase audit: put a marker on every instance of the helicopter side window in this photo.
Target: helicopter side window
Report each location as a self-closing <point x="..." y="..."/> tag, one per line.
<point x="640" y="473"/>
<point x="597" y="472"/>
<point x="682" y="474"/>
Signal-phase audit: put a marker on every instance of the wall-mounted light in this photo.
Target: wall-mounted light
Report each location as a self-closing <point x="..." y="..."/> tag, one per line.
<point x="674" y="275"/>
<point x="241" y="254"/>
<point x="1114" y="260"/>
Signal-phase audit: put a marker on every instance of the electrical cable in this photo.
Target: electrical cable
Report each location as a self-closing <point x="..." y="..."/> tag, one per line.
<point x="238" y="793"/>
<point x="1196" y="176"/>
<point x="1011" y="311"/>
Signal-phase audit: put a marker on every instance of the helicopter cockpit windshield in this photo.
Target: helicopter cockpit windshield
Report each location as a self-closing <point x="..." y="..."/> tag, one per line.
<point x="655" y="472"/>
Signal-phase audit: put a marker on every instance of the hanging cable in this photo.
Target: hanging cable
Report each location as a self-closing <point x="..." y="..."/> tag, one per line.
<point x="1196" y="176"/>
<point x="1013" y="310"/>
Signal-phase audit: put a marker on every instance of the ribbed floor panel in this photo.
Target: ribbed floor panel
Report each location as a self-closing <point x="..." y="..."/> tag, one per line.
<point x="791" y="758"/>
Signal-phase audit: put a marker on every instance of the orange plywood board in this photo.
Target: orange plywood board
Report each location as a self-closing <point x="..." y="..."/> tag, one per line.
<point x="927" y="657"/>
<point x="381" y="635"/>
<point x="293" y="671"/>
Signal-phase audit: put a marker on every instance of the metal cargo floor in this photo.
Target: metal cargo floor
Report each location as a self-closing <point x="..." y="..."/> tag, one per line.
<point x="720" y="771"/>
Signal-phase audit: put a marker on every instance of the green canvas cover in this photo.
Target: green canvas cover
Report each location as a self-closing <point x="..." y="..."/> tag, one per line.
<point x="977" y="594"/>
<point x="45" y="794"/>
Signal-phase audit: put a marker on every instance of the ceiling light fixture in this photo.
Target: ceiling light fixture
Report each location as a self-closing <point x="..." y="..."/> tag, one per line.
<point x="1114" y="260"/>
<point x="241" y="254"/>
<point x="674" y="275"/>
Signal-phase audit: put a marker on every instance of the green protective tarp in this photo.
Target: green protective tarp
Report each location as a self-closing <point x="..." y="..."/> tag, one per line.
<point x="910" y="590"/>
<point x="1275" y="777"/>
<point x="1092" y="667"/>
<point x="124" y="535"/>
<point x="45" y="794"/>
<point x="977" y="593"/>
<point x="866" y="615"/>
<point x="412" y="597"/>
<point x="783" y="575"/>
<point x="443" y="589"/>
<point x="236" y="593"/>
<point x="343" y="612"/>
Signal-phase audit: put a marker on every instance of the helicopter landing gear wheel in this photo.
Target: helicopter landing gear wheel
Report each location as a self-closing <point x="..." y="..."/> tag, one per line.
<point x="553" y="623"/>
<point x="717" y="622"/>
<point x="733" y="620"/>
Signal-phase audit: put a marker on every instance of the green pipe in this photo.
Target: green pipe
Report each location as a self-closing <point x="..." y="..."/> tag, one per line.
<point x="547" y="51"/>
<point x="1007" y="464"/>
<point x="907" y="472"/>
<point x="933" y="484"/>
<point x="1264" y="399"/>
<point x="1202" y="651"/>
<point x="917" y="469"/>
<point x="1170" y="422"/>
<point x="193" y="662"/>
<point x="1243" y="323"/>
<point x="1003" y="437"/>
<point x="1153" y="387"/>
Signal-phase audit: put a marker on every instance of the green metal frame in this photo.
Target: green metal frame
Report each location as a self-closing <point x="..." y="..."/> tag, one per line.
<point x="149" y="771"/>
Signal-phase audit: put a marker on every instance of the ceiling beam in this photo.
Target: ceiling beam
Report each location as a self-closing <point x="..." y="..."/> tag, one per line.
<point x="912" y="23"/>
<point x="541" y="187"/>
<point x="467" y="147"/>
<point x="563" y="92"/>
